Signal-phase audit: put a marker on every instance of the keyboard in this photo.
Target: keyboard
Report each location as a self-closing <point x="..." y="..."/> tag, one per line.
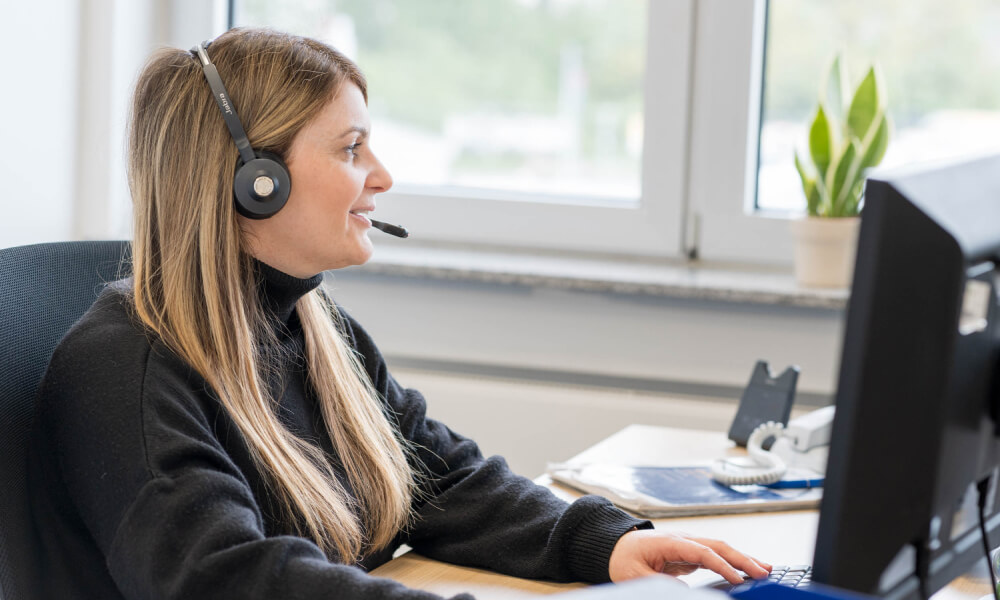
<point x="799" y="576"/>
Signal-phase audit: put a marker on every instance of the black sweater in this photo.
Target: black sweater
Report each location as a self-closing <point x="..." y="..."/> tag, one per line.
<point x="143" y="487"/>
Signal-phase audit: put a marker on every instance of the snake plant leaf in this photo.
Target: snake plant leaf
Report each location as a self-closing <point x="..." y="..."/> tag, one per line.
<point x="848" y="134"/>
<point x="852" y="205"/>
<point x="808" y="187"/>
<point x="803" y="175"/>
<point x="834" y="89"/>
<point x="813" y="198"/>
<point x="822" y="196"/>
<point x="875" y="149"/>
<point x="844" y="179"/>
<point x="821" y="141"/>
<point x="866" y="106"/>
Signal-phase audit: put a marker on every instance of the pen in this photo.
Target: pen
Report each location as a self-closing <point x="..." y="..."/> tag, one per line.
<point x="786" y="484"/>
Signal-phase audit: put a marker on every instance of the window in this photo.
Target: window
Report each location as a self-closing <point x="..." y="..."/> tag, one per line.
<point x="939" y="67"/>
<point x="535" y="132"/>
<point x="522" y="96"/>
<point x="940" y="70"/>
<point x="520" y="122"/>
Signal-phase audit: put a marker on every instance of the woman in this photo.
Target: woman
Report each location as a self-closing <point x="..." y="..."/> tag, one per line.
<point x="216" y="427"/>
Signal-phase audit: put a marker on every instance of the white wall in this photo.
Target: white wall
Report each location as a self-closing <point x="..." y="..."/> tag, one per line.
<point x="617" y="335"/>
<point x="70" y="68"/>
<point x="691" y="347"/>
<point x="38" y="120"/>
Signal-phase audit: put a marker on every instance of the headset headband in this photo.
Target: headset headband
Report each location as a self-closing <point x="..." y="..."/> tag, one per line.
<point x="225" y="103"/>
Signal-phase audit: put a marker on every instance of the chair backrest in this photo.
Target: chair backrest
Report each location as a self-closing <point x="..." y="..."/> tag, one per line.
<point x="44" y="289"/>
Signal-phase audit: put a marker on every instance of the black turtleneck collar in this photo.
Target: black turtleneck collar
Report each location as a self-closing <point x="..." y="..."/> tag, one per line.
<point x="280" y="291"/>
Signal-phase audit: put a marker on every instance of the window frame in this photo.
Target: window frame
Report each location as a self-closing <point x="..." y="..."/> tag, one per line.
<point x="730" y="39"/>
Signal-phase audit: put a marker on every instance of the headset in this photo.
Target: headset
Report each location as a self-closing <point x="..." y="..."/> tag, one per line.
<point x="262" y="183"/>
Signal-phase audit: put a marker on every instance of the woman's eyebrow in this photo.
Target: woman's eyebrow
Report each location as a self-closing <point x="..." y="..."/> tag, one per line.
<point x="355" y="129"/>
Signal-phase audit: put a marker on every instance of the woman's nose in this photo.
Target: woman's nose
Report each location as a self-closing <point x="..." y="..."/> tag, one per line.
<point x="379" y="178"/>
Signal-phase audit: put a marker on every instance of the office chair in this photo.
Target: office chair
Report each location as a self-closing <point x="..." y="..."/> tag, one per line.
<point x="44" y="289"/>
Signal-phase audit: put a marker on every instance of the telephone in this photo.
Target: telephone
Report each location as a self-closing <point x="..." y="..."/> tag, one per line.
<point x="799" y="452"/>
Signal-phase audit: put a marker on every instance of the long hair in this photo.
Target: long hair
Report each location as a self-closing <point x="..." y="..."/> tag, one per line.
<point x="194" y="280"/>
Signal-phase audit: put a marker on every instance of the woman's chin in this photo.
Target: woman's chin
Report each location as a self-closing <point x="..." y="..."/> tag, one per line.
<point x="359" y="255"/>
<point x="366" y="250"/>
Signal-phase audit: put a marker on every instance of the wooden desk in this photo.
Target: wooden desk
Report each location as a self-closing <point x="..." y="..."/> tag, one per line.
<point x="779" y="538"/>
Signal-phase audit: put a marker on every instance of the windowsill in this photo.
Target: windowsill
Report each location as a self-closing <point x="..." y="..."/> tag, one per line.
<point x="676" y="279"/>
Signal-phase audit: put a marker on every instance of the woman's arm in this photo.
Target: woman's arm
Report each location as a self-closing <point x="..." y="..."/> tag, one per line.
<point x="481" y="514"/>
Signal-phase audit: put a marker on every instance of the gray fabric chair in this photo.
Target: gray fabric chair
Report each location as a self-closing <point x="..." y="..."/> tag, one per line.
<point x="44" y="289"/>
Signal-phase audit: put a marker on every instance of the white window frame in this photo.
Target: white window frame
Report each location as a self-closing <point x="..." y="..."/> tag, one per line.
<point x="725" y="127"/>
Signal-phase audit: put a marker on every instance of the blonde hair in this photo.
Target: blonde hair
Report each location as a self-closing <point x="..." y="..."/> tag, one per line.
<point x="194" y="281"/>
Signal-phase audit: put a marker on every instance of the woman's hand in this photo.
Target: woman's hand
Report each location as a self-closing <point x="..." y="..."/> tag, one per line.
<point x="648" y="551"/>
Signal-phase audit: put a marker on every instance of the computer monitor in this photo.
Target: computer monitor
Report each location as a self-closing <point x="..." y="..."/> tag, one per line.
<point x="916" y="422"/>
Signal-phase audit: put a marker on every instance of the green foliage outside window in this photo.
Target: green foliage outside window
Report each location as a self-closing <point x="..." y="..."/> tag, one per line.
<point x="427" y="59"/>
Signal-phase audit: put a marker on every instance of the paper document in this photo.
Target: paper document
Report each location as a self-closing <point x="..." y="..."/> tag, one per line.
<point x="678" y="491"/>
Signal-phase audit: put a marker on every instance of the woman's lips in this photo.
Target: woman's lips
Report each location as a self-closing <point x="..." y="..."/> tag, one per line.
<point x="362" y="217"/>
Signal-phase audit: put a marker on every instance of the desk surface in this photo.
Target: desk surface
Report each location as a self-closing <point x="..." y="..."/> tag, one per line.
<point x="779" y="538"/>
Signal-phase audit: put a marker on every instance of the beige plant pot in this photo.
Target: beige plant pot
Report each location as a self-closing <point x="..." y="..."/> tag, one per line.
<point x="825" y="250"/>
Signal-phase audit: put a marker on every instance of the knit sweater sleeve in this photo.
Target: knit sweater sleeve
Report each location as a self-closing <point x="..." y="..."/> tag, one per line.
<point x="476" y="512"/>
<point x="132" y="440"/>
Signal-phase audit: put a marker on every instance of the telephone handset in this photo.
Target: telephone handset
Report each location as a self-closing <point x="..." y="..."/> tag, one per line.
<point x="801" y="446"/>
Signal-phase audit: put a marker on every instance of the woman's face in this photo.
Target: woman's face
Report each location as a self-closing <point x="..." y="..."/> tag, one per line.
<point x="335" y="177"/>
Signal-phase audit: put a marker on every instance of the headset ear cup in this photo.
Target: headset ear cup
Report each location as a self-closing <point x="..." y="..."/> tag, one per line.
<point x="261" y="186"/>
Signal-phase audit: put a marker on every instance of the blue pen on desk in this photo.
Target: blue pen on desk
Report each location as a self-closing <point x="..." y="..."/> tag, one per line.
<point x="787" y="484"/>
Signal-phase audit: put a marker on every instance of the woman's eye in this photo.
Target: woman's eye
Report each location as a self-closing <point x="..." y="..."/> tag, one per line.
<point x="353" y="149"/>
